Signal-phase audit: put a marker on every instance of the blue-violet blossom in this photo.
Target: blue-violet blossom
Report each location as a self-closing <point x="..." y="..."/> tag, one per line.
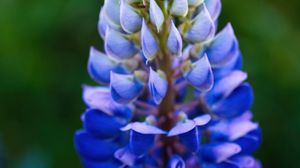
<point x="171" y="91"/>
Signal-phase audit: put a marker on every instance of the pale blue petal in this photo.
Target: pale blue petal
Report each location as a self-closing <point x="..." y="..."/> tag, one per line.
<point x="148" y="42"/>
<point x="245" y="161"/>
<point x="158" y="86"/>
<point x="195" y="3"/>
<point x="214" y="8"/>
<point x="176" y="162"/>
<point x="125" y="88"/>
<point x="219" y="152"/>
<point x="112" y="12"/>
<point x="202" y="120"/>
<point x="143" y="128"/>
<point x="125" y="156"/>
<point x="182" y="127"/>
<point x="100" y="66"/>
<point x="100" y="98"/>
<point x="174" y="41"/>
<point x="202" y="28"/>
<point x="200" y="74"/>
<point x="131" y="21"/>
<point x="156" y="15"/>
<point x="223" y="48"/>
<point x="232" y="130"/>
<point x="179" y="8"/>
<point x="118" y="46"/>
<point x="102" y="24"/>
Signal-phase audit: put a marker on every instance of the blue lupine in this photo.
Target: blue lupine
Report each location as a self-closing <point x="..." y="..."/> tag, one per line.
<point x="144" y="113"/>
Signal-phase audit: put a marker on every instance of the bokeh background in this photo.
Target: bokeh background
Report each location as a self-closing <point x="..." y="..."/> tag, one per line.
<point x="43" y="53"/>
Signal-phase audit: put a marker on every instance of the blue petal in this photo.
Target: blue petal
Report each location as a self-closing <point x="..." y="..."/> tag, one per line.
<point x="97" y="164"/>
<point x="191" y="139"/>
<point x="100" y="124"/>
<point x="179" y="8"/>
<point x="100" y="98"/>
<point x="176" y="162"/>
<point x="224" y="87"/>
<point x="223" y="48"/>
<point x="214" y="8"/>
<point x="118" y="46"/>
<point x="112" y="12"/>
<point x="92" y="148"/>
<point x="126" y="156"/>
<point x="219" y="152"/>
<point x="251" y="142"/>
<point x="200" y="74"/>
<point x="140" y="143"/>
<point x="157" y="85"/>
<point x="203" y="27"/>
<point x="148" y="42"/>
<point x="156" y="15"/>
<point x="125" y="88"/>
<point x="195" y="3"/>
<point x="239" y="101"/>
<point x="141" y="136"/>
<point x="131" y="21"/>
<point x="100" y="66"/>
<point x="174" y="41"/>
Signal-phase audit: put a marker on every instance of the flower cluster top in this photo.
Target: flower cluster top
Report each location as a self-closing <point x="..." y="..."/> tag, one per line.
<point x="171" y="90"/>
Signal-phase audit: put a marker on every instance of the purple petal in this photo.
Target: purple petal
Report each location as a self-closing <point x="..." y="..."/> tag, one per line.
<point x="203" y="27"/>
<point x="175" y="41"/>
<point x="118" y="46"/>
<point x="244" y="161"/>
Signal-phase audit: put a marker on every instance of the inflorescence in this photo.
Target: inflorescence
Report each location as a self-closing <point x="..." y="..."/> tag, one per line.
<point x="172" y="92"/>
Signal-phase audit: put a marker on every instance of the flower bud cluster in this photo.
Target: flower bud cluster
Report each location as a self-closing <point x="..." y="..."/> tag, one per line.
<point x="171" y="90"/>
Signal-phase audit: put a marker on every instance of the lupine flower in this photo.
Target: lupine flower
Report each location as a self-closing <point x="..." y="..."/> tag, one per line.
<point x="171" y="90"/>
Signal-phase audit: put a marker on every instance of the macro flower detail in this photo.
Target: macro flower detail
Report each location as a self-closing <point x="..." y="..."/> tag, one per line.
<point x="170" y="92"/>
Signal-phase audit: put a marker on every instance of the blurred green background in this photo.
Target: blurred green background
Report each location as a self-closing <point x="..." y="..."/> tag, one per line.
<point x="44" y="49"/>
